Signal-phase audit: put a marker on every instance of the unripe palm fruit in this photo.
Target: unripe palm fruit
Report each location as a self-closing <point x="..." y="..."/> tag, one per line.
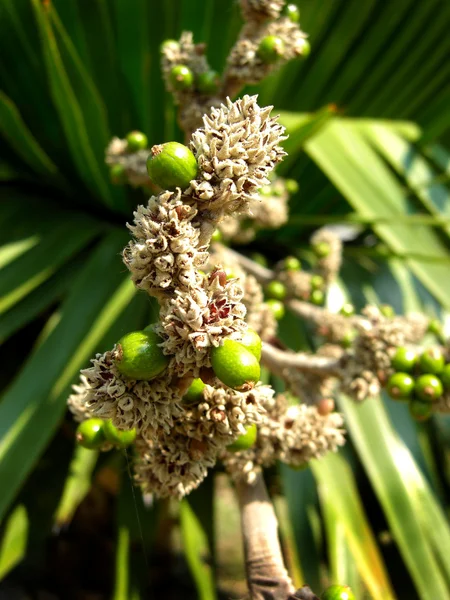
<point x="139" y="356"/>
<point x="90" y="434"/>
<point x="404" y="360"/>
<point x="117" y="173"/>
<point x="317" y="282"/>
<point x="317" y="297"/>
<point x="181" y="78"/>
<point x="292" y="12"/>
<point x="321" y="249"/>
<point x="118" y="437"/>
<point x="216" y="236"/>
<point x="306" y="50"/>
<point x="387" y="310"/>
<point x="338" y="592"/>
<point x="136" y="140"/>
<point x="194" y="393"/>
<point x="435" y="327"/>
<point x="276" y="290"/>
<point x="172" y="165"/>
<point x="208" y="82"/>
<point x="291" y="186"/>
<point x="348" y="338"/>
<point x="347" y="310"/>
<point x="420" y="411"/>
<point x="400" y="386"/>
<point x="432" y="361"/>
<point x="270" y="49"/>
<point x="291" y="263"/>
<point x="252" y="342"/>
<point x="445" y="377"/>
<point x="235" y="366"/>
<point x="428" y="388"/>
<point x="277" y="308"/>
<point x="244" y="441"/>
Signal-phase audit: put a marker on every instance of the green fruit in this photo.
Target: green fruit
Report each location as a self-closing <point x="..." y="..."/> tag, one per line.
<point x="428" y="388"/>
<point x="444" y="376"/>
<point x="387" y="310"/>
<point x="140" y="357"/>
<point x="117" y="173"/>
<point x="317" y="282"/>
<point x="432" y="361"/>
<point x="276" y="290"/>
<point x="90" y="434"/>
<point x="172" y="165"/>
<point x="338" y="592"/>
<point x="181" y="78"/>
<point x="291" y="263"/>
<point x="291" y="186"/>
<point x="347" y="310"/>
<point x="270" y="49"/>
<point x="259" y="258"/>
<point x="170" y="45"/>
<point x="317" y="297"/>
<point x="321" y="249"/>
<point x="400" y="386"/>
<point x="306" y="50"/>
<point x="245" y="441"/>
<point x="216" y="236"/>
<point x="404" y="360"/>
<point x="348" y="338"/>
<point x="266" y="190"/>
<point x="435" y="327"/>
<point x="194" y="393"/>
<point x="292" y="12"/>
<point x="137" y="140"/>
<point x="277" y="308"/>
<point x="420" y="411"/>
<point x="252" y="342"/>
<point x="208" y="82"/>
<point x="235" y="366"/>
<point x="118" y="437"/>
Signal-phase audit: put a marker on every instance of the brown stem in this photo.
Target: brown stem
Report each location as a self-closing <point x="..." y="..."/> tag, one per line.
<point x="267" y="577"/>
<point x="323" y="365"/>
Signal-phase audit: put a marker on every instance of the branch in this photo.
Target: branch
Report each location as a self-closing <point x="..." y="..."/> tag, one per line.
<point x="262" y="274"/>
<point x="276" y="359"/>
<point x="267" y="577"/>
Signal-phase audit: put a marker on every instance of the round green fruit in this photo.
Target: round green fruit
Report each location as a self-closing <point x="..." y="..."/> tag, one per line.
<point x="172" y="45"/>
<point x="118" y="437"/>
<point x="194" y="393"/>
<point x="90" y="434"/>
<point x="244" y="441"/>
<point x="291" y="186"/>
<point x="387" y="311"/>
<point x="277" y="308"/>
<point x="292" y="12"/>
<point x="181" y="78"/>
<point x="321" y="249"/>
<point x="338" y="592"/>
<point x="235" y="366"/>
<point x="259" y="258"/>
<point x="400" y="386"/>
<point x="216" y="236"/>
<point x="117" y="173"/>
<point x="444" y="376"/>
<point x="435" y="327"/>
<point x="252" y="342"/>
<point x="348" y="310"/>
<point x="172" y="165"/>
<point x="317" y="282"/>
<point x="306" y="50"/>
<point x="276" y="290"/>
<point x="136" y="140"/>
<point x="404" y="360"/>
<point x="317" y="297"/>
<point x="348" y="338"/>
<point x="432" y="361"/>
<point x="208" y="82"/>
<point x="139" y="356"/>
<point x="291" y="263"/>
<point x="271" y="49"/>
<point x="428" y="388"/>
<point x="420" y="411"/>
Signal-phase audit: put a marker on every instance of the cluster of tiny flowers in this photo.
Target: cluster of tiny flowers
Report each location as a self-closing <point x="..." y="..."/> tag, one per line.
<point x="292" y="434"/>
<point x="261" y="9"/>
<point x="134" y="163"/>
<point x="236" y="149"/>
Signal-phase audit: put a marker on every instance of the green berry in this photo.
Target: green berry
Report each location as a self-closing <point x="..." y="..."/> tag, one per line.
<point x="137" y="140"/>
<point x="338" y="592"/>
<point x="181" y="78"/>
<point x="266" y="190"/>
<point x="216" y="236"/>
<point x="400" y="386"/>
<point x="387" y="310"/>
<point x="252" y="342"/>
<point x="291" y="263"/>
<point x="321" y="249"/>
<point x="117" y="173"/>
<point x="194" y="393"/>
<point x="292" y="12"/>
<point x="172" y="45"/>
<point x="420" y="411"/>
<point x="306" y="50"/>
<point x="235" y="366"/>
<point x="140" y="357"/>
<point x="347" y="310"/>
<point x="435" y="327"/>
<point x="244" y="441"/>
<point x="208" y="82"/>
<point x="277" y="308"/>
<point x="172" y="165"/>
<point x="348" y="338"/>
<point x="118" y="437"/>
<point x="444" y="376"/>
<point x="317" y="282"/>
<point x="276" y="290"/>
<point x="317" y="297"/>
<point x="404" y="360"/>
<point x="90" y="434"/>
<point x="270" y="49"/>
<point x="428" y="388"/>
<point x="432" y="361"/>
<point x="259" y="258"/>
<point x="291" y="186"/>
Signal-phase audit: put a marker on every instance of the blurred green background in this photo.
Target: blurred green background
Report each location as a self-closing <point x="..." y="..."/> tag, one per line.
<point x="369" y="119"/>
